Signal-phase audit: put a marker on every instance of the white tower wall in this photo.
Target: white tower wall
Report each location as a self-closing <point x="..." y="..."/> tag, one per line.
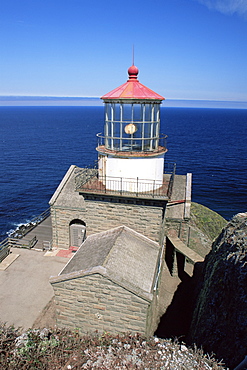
<point x="132" y="174"/>
<point x="131" y="150"/>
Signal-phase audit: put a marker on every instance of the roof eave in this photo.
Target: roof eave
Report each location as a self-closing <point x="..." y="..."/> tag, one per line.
<point x="132" y="99"/>
<point x="108" y="275"/>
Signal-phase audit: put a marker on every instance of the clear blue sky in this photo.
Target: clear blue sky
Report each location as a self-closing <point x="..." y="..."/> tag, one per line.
<point x="184" y="49"/>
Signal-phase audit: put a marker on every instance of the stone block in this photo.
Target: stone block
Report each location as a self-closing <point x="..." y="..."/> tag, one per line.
<point x="133" y="317"/>
<point x="99" y="307"/>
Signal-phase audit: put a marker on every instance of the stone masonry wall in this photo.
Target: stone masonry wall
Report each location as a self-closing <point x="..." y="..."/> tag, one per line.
<point x="93" y="302"/>
<point x="61" y="219"/>
<point x="101" y="216"/>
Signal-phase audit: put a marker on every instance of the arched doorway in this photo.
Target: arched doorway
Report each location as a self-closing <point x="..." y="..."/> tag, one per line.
<point x="77" y="232"/>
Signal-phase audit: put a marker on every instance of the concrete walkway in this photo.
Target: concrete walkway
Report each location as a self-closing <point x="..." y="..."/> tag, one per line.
<point x="24" y="286"/>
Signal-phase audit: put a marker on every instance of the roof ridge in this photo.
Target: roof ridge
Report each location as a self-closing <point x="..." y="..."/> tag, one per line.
<point x="116" y="237"/>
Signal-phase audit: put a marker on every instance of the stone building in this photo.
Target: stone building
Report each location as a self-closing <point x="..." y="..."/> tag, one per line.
<point x="73" y="210"/>
<point x="111" y="284"/>
<point x="132" y="183"/>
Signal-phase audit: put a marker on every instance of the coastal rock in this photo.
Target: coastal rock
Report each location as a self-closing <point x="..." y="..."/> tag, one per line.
<point x="220" y="316"/>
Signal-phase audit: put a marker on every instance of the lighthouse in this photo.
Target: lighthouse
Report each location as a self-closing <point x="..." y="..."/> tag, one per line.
<point x="131" y="150"/>
<point x="123" y="217"/>
<point x="132" y="184"/>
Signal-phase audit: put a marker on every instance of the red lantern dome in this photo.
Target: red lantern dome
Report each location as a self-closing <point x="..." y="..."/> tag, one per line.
<point x="132" y="89"/>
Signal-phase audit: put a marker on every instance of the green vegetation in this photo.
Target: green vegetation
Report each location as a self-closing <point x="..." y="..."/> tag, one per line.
<point x="208" y="221"/>
<point x="63" y="349"/>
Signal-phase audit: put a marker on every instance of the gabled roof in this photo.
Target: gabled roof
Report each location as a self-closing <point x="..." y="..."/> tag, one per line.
<point x="65" y="195"/>
<point x="132" y="89"/>
<point x="121" y="254"/>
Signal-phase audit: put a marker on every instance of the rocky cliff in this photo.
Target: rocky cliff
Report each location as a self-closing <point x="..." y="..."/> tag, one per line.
<point x="219" y="321"/>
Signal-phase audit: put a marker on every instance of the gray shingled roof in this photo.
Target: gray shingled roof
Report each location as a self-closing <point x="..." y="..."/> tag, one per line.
<point x="125" y="255"/>
<point x="65" y="194"/>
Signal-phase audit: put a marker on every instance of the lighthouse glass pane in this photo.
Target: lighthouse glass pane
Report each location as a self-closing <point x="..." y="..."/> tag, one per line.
<point x="116" y="126"/>
<point x="137" y="112"/>
<point x="127" y="110"/>
<point x="131" y="126"/>
<point x="107" y="111"/>
<point x="116" y="112"/>
<point x="148" y="110"/>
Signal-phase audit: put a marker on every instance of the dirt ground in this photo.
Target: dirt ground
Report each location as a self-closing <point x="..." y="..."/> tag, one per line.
<point x="47" y="318"/>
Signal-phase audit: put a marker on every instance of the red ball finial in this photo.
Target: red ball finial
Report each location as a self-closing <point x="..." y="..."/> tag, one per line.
<point x="133" y="72"/>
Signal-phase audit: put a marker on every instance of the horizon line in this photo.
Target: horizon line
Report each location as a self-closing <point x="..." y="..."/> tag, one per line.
<point x="80" y="101"/>
<point x="98" y="97"/>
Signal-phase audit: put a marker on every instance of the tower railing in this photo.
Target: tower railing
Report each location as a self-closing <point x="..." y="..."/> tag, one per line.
<point x="84" y="175"/>
<point x="124" y="187"/>
<point x="89" y="180"/>
<point x="133" y="144"/>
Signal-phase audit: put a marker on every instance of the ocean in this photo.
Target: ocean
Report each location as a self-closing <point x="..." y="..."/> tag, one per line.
<point x="38" y="144"/>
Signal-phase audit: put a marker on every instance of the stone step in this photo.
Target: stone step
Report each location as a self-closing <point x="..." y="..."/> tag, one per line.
<point x="8" y="260"/>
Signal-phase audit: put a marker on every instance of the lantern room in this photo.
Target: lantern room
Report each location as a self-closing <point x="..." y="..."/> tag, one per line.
<point x="131" y="126"/>
<point x="132" y="147"/>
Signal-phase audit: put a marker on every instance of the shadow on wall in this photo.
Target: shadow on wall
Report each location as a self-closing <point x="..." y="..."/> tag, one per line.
<point x="178" y="316"/>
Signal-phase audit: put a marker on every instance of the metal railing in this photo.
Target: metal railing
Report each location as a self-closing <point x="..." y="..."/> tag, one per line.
<point x="128" y="186"/>
<point x="89" y="180"/>
<point x="133" y="144"/>
<point x="9" y="242"/>
<point x="171" y="182"/>
<point x="16" y="238"/>
<point x="20" y="243"/>
<point x="84" y="175"/>
<point x="4" y="249"/>
<point x="26" y="228"/>
<point x="47" y="245"/>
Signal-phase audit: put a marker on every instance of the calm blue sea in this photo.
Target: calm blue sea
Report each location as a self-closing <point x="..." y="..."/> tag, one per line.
<point x="38" y="144"/>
